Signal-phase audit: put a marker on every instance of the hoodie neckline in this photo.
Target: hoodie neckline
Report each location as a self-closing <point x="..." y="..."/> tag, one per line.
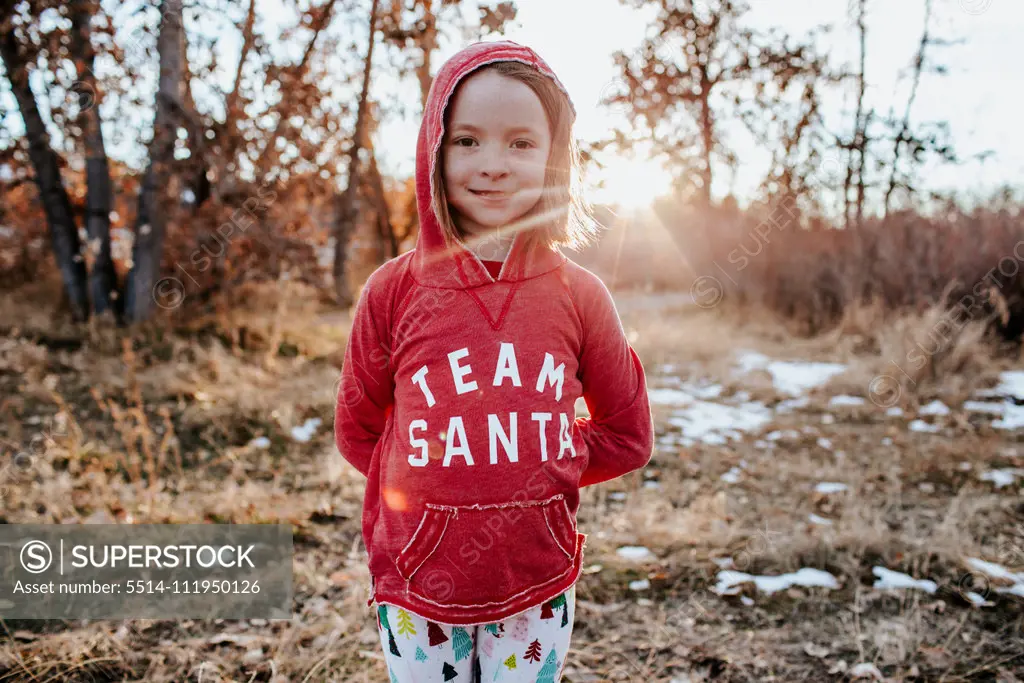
<point x="434" y="263"/>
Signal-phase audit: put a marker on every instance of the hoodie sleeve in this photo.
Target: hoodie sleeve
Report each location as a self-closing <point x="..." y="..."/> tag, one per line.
<point x="619" y="434"/>
<point x="366" y="390"/>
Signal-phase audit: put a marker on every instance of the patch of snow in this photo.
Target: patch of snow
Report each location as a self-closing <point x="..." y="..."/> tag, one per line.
<point x="996" y="571"/>
<point x="936" y="407"/>
<point x="636" y="553"/>
<point x="820" y="521"/>
<point x="975" y="599"/>
<point x="1011" y="384"/>
<point x="888" y="580"/>
<point x="748" y="361"/>
<point x="895" y="411"/>
<point x="732" y="476"/>
<point x="827" y="419"/>
<point x="791" y="404"/>
<point x="1003" y="477"/>
<point x="922" y="426"/>
<point x="651" y="484"/>
<point x="304" y="433"/>
<point x="260" y="442"/>
<point x="640" y="585"/>
<point x="687" y="393"/>
<point x="1010" y="389"/>
<point x="1013" y="417"/>
<point x="716" y="424"/>
<point x="985" y="407"/>
<point x="671" y="397"/>
<point x="749" y="602"/>
<point x="729" y="581"/>
<point x="723" y="562"/>
<point x="778" y="435"/>
<point x="790" y="377"/>
<point x="846" y="400"/>
<point x="827" y="487"/>
<point x="825" y="443"/>
<point x="617" y="495"/>
<point x="866" y="670"/>
<point x="887" y="441"/>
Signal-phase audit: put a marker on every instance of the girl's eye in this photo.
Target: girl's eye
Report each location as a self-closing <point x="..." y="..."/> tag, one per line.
<point x="464" y="142"/>
<point x="522" y="144"/>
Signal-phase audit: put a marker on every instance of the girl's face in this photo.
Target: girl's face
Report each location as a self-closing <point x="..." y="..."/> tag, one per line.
<point x="495" y="150"/>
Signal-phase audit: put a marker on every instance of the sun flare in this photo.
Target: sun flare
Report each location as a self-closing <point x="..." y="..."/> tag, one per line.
<point x="631" y="183"/>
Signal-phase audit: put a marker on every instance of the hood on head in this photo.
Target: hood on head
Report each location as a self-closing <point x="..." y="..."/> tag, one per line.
<point x="434" y="263"/>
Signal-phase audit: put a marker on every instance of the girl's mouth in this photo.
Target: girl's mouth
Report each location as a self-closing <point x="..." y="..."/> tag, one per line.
<point x="490" y="194"/>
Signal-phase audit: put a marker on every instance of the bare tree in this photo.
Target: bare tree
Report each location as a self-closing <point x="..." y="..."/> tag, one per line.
<point x="690" y="74"/>
<point x="103" y="285"/>
<point x="858" y="146"/>
<point x="156" y="195"/>
<point x="908" y="142"/>
<point x="346" y="211"/>
<point x="67" y="248"/>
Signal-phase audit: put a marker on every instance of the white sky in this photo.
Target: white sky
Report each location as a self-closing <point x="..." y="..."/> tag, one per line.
<point x="980" y="97"/>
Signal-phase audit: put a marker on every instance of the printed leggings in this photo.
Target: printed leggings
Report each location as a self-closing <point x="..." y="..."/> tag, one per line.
<point x="527" y="648"/>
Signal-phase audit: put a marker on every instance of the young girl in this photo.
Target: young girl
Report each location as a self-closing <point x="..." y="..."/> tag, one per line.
<point x="461" y="374"/>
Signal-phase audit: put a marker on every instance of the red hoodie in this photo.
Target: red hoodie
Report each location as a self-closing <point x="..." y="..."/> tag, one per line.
<point x="457" y="402"/>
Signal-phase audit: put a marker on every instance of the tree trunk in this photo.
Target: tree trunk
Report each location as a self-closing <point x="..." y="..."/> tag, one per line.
<point x="428" y="43"/>
<point x="861" y="137"/>
<point x="103" y="286"/>
<point x="67" y="248"/>
<point x="385" y="231"/>
<point x="346" y="212"/>
<point x="901" y="136"/>
<point x="707" y="134"/>
<point x="154" y="199"/>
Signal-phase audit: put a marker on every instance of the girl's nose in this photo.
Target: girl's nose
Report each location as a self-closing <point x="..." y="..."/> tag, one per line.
<point x="494" y="165"/>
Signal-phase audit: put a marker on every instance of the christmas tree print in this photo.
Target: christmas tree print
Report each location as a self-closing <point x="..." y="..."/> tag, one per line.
<point x="511" y="662"/>
<point x="449" y="671"/>
<point x="561" y="602"/>
<point x="421" y="656"/>
<point x="533" y="652"/>
<point x="476" y="669"/>
<point x="435" y="634"/>
<point x="393" y="645"/>
<point x="462" y="644"/>
<point x="405" y="626"/>
<point x="545" y="611"/>
<point x="520" y="628"/>
<point x="392" y="674"/>
<point x="382" y="617"/>
<point x="547" y="672"/>
<point x="494" y="629"/>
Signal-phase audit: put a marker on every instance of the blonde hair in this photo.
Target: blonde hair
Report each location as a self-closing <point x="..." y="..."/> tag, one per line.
<point x="562" y="216"/>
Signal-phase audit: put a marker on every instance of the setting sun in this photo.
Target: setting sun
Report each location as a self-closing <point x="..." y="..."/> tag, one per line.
<point x="631" y="183"/>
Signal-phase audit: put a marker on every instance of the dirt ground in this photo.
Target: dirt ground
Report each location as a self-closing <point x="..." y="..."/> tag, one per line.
<point x="170" y="430"/>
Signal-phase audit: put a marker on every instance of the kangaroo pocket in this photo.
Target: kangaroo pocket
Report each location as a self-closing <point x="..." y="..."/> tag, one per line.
<point x="488" y="555"/>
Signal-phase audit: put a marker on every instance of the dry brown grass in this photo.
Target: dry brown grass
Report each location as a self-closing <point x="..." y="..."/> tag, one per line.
<point x="911" y="506"/>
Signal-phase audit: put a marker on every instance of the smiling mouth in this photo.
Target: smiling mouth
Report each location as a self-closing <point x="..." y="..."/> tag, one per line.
<point x="490" y="194"/>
